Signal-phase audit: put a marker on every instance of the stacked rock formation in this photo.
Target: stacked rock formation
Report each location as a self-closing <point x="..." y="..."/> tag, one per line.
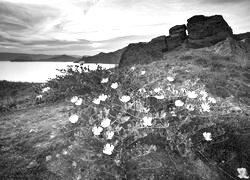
<point x="202" y="31"/>
<point x="206" y="31"/>
<point x="177" y="35"/>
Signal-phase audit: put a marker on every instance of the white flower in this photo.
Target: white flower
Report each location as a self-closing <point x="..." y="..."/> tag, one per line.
<point x="125" y="119"/>
<point x="178" y="103"/>
<point x="105" y="122"/>
<point x="159" y="96"/>
<point x="74" y="99"/>
<point x="157" y="90"/>
<point x="190" y="107"/>
<point x="143" y="72"/>
<point x="96" y="101"/>
<point x="78" y="102"/>
<point x="108" y="149"/>
<point x="142" y="90"/>
<point x="212" y="100"/>
<point x="65" y="152"/>
<point x="97" y="130"/>
<point x="110" y="134"/>
<point x="132" y="68"/>
<point x="45" y="89"/>
<point x="103" y="97"/>
<point x="205" y="107"/>
<point x="104" y="80"/>
<point x="114" y="85"/>
<point x="192" y="94"/>
<point x="147" y="121"/>
<point x="173" y="113"/>
<point x="207" y="136"/>
<point x="170" y="79"/>
<point x="242" y="173"/>
<point x="145" y="110"/>
<point x="204" y="94"/>
<point x="73" y="118"/>
<point x="163" y="115"/>
<point x="125" y="99"/>
<point x="48" y="158"/>
<point x="39" y="97"/>
<point x="183" y="90"/>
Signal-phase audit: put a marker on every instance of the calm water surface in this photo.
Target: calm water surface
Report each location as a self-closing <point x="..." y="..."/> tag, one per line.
<point x="36" y="71"/>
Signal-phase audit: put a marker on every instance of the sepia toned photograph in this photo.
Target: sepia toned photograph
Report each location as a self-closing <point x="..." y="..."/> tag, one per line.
<point x="124" y="89"/>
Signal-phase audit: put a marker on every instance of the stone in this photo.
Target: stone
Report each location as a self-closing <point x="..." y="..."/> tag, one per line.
<point x="143" y="53"/>
<point x="237" y="51"/>
<point x="206" y="31"/>
<point x="178" y="31"/>
<point x="177" y="35"/>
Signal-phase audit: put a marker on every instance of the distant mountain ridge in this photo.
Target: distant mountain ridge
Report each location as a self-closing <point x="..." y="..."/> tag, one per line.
<point x="22" y="57"/>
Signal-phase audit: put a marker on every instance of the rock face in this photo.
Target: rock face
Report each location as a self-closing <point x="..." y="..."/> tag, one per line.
<point x="242" y="36"/>
<point x="206" y="31"/>
<point x="202" y="31"/>
<point x="178" y="31"/>
<point x="136" y="53"/>
<point x="104" y="58"/>
<point x="177" y="35"/>
<point x="236" y="50"/>
<point x="141" y="53"/>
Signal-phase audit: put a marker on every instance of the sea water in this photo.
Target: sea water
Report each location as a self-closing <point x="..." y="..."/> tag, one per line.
<point x="37" y="71"/>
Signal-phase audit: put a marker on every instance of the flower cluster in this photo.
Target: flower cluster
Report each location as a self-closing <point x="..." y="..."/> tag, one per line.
<point x="44" y="91"/>
<point x="102" y="97"/>
<point x="121" y="115"/>
<point x="76" y="100"/>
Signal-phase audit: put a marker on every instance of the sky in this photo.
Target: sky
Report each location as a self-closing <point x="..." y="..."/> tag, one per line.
<point x="87" y="27"/>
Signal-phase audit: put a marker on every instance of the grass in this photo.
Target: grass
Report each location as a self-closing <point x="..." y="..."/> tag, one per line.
<point x="25" y="142"/>
<point x="40" y="143"/>
<point x="17" y="95"/>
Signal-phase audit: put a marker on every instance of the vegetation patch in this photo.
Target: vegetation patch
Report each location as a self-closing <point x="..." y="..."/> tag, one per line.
<point x="156" y="121"/>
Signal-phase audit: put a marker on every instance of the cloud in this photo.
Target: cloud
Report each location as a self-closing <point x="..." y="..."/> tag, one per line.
<point x="90" y="26"/>
<point x="24" y="16"/>
<point x="223" y="1"/>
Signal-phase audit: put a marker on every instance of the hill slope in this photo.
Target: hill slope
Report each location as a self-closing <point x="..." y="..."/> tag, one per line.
<point x="44" y="144"/>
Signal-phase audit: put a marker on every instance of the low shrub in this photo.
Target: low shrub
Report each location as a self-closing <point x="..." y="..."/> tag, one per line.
<point x="132" y="123"/>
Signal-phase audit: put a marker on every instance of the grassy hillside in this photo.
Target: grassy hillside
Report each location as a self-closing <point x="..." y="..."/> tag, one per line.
<point x="17" y="95"/>
<point x="160" y="130"/>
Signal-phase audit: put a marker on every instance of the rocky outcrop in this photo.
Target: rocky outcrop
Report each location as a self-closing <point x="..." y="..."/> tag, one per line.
<point x="177" y="35"/>
<point x="142" y="53"/>
<point x="104" y="58"/>
<point x="242" y="36"/>
<point x="178" y="31"/>
<point x="136" y="53"/>
<point x="235" y="50"/>
<point x="206" y="31"/>
<point x="203" y="31"/>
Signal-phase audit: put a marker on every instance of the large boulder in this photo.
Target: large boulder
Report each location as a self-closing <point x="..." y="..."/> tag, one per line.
<point x="178" y="31"/>
<point x="177" y="35"/>
<point x="206" y="31"/>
